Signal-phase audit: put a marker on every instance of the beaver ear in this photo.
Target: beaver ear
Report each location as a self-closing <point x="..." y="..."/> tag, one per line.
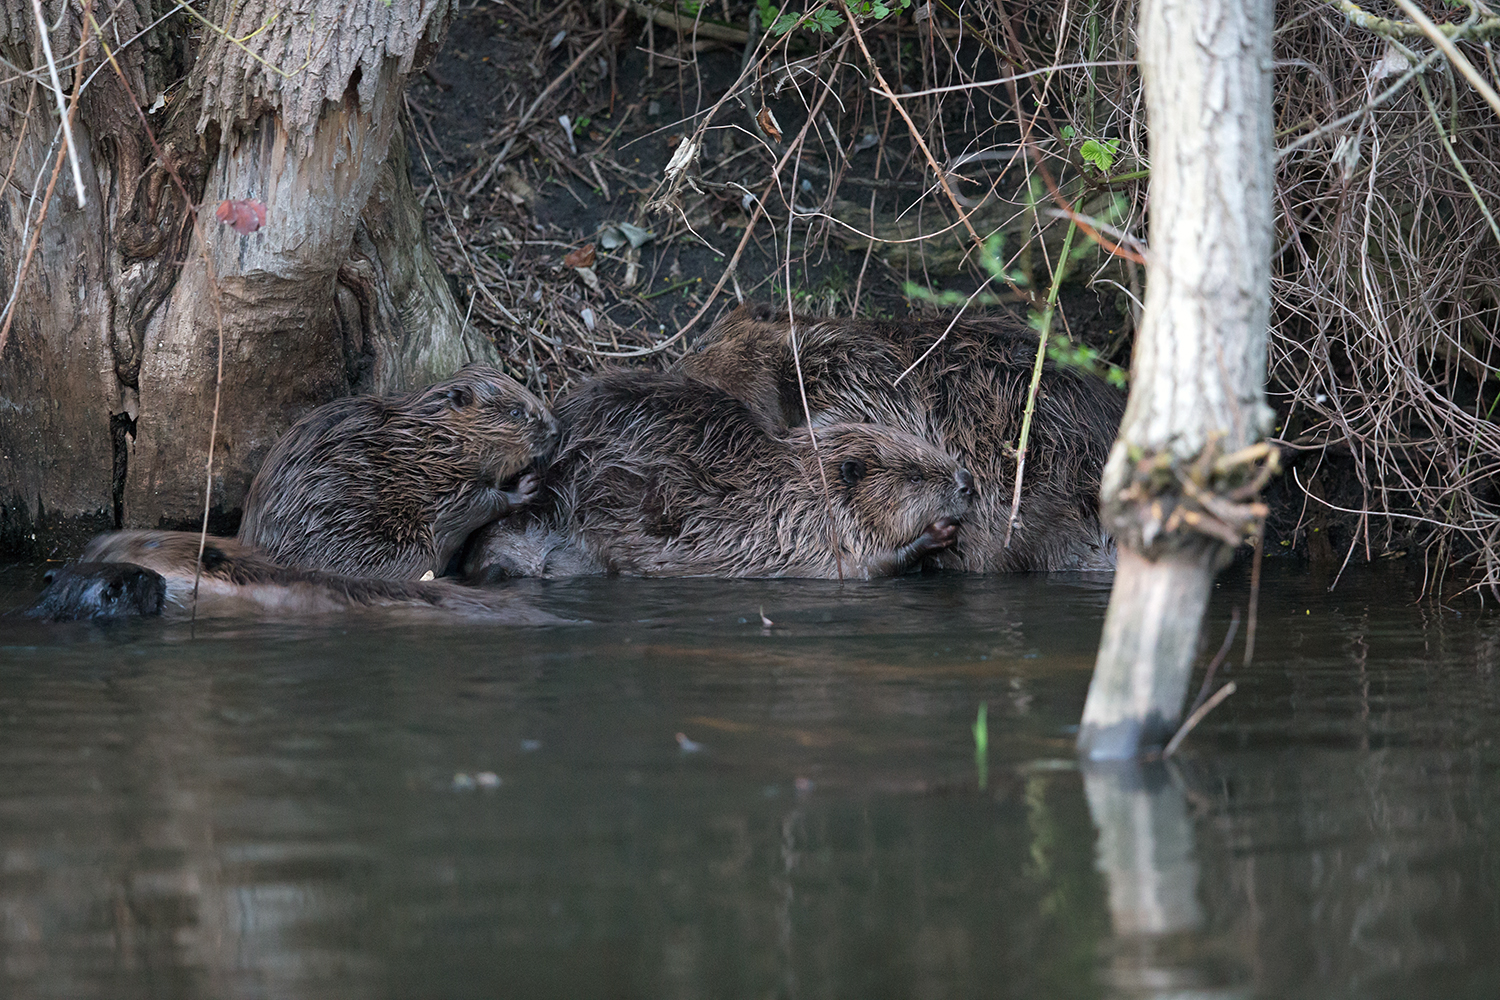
<point x="460" y="396"/>
<point x="213" y="557"/>
<point x="852" y="471"/>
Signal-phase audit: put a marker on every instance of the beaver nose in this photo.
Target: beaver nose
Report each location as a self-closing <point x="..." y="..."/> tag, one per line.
<point x="965" y="483"/>
<point x="551" y="431"/>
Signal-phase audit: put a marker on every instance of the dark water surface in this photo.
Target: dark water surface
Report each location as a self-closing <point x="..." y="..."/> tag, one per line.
<point x="352" y="810"/>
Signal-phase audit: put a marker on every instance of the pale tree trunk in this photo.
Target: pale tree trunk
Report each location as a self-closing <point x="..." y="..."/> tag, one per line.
<point x="107" y="377"/>
<point x="1179" y="481"/>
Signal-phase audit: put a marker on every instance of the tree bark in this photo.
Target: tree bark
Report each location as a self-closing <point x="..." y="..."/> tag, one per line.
<point x="1179" y="483"/>
<point x="109" y="370"/>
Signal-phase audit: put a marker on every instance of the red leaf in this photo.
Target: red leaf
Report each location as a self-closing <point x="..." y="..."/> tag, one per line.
<point x="582" y="257"/>
<point x="245" y="215"/>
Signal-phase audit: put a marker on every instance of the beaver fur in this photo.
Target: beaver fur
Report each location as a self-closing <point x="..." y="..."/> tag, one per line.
<point x="99" y="591"/>
<point x="145" y="573"/>
<point x="968" y="395"/>
<point x="660" y="475"/>
<point x="390" y="487"/>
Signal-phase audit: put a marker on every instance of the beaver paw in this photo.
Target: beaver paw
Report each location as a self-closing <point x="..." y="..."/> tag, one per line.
<point x="528" y="488"/>
<point x="940" y="534"/>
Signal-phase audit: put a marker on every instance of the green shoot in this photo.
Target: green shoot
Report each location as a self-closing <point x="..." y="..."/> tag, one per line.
<point x="982" y="743"/>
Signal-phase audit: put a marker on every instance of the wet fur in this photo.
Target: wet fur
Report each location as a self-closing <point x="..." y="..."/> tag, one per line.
<point x="238" y="579"/>
<point x="968" y="395"/>
<point x="390" y="487"/>
<point x="99" y="591"/>
<point x="660" y="475"/>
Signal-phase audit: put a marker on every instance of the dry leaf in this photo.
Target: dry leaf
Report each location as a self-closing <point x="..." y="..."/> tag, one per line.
<point x="768" y="124"/>
<point x="582" y="257"/>
<point x="589" y="278"/>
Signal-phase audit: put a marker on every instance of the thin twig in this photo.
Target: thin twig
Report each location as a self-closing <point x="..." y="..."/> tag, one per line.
<point x="1059" y="269"/>
<point x="1197" y="717"/>
<point x="1213" y="665"/>
<point x="1260" y="545"/>
<point x="63" y="111"/>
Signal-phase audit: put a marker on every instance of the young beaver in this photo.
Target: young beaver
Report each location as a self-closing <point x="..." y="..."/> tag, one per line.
<point x="660" y="475"/>
<point x="968" y="395"/>
<point x="145" y="573"/>
<point x="391" y="487"/>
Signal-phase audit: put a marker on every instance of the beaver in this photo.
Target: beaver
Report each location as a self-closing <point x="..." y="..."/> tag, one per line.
<point x="390" y="487"/>
<point x="99" y="591"/>
<point x="658" y="474"/>
<point x="149" y="573"/>
<point x="968" y="395"/>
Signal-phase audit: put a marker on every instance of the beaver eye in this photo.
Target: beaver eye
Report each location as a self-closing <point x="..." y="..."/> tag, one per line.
<point x="517" y="412"/>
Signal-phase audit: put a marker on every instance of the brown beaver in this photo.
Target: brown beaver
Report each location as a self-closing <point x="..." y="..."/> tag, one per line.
<point x="968" y="395"/>
<point x="131" y="573"/>
<point x="660" y="475"/>
<point x="391" y="487"/>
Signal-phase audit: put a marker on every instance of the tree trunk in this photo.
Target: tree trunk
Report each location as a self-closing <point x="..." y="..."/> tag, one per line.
<point x="1180" y="478"/>
<point x="109" y="369"/>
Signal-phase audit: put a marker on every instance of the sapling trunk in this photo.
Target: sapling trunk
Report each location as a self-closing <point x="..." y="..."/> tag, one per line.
<point x="1179" y="487"/>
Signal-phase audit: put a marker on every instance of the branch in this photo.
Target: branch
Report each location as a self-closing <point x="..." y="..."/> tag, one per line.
<point x="696" y="28"/>
<point x="1387" y="28"/>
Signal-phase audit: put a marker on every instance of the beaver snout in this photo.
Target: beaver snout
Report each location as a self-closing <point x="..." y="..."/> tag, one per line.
<point x="551" y="434"/>
<point x="966" y="484"/>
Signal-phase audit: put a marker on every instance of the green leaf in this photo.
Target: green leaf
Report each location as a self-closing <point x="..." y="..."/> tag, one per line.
<point x="1069" y="132"/>
<point x="1100" y="154"/>
<point x="825" y="20"/>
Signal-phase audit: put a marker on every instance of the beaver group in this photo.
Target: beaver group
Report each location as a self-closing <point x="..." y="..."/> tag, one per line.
<point x="780" y="446"/>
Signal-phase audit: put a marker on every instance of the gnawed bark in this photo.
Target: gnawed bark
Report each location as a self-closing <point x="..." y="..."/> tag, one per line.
<point x="109" y="371"/>
<point x="309" y="146"/>
<point x="1174" y="499"/>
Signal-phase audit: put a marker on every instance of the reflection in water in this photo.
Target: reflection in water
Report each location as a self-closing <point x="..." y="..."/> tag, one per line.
<point x="1145" y="848"/>
<point x="1147" y="854"/>
<point x="255" y="811"/>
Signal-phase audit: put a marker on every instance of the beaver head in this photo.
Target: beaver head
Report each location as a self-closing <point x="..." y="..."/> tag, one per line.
<point x="98" y="591"/>
<point x="488" y="425"/>
<point x="890" y="486"/>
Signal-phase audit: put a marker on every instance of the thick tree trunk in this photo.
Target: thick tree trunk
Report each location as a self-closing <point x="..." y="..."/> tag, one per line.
<point x="109" y="370"/>
<point x="1179" y="478"/>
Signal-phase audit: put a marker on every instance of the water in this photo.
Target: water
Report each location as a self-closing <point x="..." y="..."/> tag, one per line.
<point x="331" y="810"/>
